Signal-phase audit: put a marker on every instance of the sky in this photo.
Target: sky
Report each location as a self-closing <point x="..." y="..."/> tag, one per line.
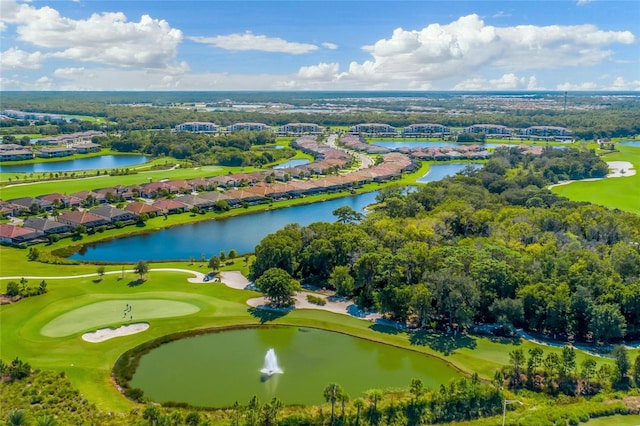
<point x="269" y="45"/>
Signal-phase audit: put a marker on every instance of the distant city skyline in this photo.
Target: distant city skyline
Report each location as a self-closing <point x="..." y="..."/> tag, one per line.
<point x="319" y="45"/>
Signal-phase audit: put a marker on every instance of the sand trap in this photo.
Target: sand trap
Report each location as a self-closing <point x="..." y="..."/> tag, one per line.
<point x="620" y="169"/>
<point x="235" y="279"/>
<point x="109" y="333"/>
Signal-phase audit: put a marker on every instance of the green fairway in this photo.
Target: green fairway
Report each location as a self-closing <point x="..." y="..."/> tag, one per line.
<point x="114" y="312"/>
<point x="621" y="192"/>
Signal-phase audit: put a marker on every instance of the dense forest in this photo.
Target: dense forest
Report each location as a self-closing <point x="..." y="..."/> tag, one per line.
<point x="486" y="246"/>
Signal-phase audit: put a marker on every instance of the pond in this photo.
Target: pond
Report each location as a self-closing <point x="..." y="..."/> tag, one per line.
<point x="241" y="233"/>
<point x="218" y="369"/>
<point x="292" y="163"/>
<point x="440" y="171"/>
<point x="103" y="162"/>
<point x="631" y="143"/>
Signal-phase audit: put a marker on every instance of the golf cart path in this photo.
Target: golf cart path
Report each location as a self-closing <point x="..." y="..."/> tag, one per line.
<point x="198" y="278"/>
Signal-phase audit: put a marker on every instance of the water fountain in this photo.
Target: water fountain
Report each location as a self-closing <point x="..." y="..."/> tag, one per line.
<point x="271" y="364"/>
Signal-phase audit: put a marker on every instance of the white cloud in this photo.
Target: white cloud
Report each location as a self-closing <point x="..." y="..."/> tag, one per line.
<point x="106" y="38"/>
<point x="587" y="85"/>
<point x="322" y="71"/>
<point x="506" y="82"/>
<point x="330" y="46"/>
<point x="462" y="47"/>
<point x="583" y="2"/>
<point x="15" y="58"/>
<point x="620" y="84"/>
<point x="250" y="41"/>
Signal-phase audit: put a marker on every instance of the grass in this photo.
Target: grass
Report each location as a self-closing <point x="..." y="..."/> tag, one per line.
<point x="621" y="193"/>
<point x="73" y="306"/>
<point x="618" y="420"/>
<point x="110" y="312"/>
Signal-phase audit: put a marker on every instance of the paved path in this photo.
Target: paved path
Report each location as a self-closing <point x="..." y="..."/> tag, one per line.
<point x="365" y="160"/>
<point x="199" y="276"/>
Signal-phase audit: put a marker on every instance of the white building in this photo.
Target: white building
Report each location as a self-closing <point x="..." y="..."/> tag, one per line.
<point x="426" y="129"/>
<point x="547" y="132"/>
<point x="300" y="129"/>
<point x="373" y="129"/>
<point x="251" y="127"/>
<point x="198" y="127"/>
<point x="488" y="129"/>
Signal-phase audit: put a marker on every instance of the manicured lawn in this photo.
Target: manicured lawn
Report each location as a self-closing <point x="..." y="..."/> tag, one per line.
<point x="622" y="192"/>
<point x="46" y="330"/>
<point x="110" y="312"/>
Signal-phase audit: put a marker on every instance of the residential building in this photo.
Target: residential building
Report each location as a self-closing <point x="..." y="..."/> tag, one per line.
<point x="426" y="129"/>
<point x="300" y="129"/>
<point x="251" y="127"/>
<point x="373" y="129"/>
<point x="488" y="129"/>
<point x="11" y="234"/>
<point x="76" y="218"/>
<point x="198" y="127"/>
<point x="47" y="226"/>
<point x="113" y="214"/>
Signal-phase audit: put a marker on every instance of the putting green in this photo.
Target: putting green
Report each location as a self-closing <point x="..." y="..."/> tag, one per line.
<point x="111" y="312"/>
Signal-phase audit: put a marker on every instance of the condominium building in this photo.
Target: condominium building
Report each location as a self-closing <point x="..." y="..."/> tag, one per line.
<point x="426" y="129"/>
<point x="198" y="127"/>
<point x="371" y="129"/>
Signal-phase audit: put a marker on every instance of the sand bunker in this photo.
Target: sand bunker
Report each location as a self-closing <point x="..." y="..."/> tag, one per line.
<point x="109" y="333"/>
<point x="620" y="169"/>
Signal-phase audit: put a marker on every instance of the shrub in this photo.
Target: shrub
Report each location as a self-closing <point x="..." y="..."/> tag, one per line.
<point x="316" y="300"/>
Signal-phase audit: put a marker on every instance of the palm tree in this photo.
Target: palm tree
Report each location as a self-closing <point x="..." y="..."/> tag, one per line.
<point x="358" y="403"/>
<point x="374" y="396"/>
<point x="332" y="394"/>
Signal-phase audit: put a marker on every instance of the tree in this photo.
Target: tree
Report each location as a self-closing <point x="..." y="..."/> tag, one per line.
<point x="346" y="214"/>
<point x="374" y="396"/>
<point x="151" y="413"/>
<point x="332" y="394"/>
<point x="342" y="281"/>
<point x="278" y="286"/>
<point x="100" y="272"/>
<point x="516" y="359"/>
<point x="192" y="419"/>
<point x="416" y="389"/>
<point x="13" y="289"/>
<point x="359" y="404"/>
<point x="420" y="304"/>
<point x="586" y="374"/>
<point x="141" y="269"/>
<point x="635" y="375"/>
<point x="607" y="323"/>
<point x="232" y="254"/>
<point x="214" y="263"/>
<point x="621" y="358"/>
<point x="270" y="412"/>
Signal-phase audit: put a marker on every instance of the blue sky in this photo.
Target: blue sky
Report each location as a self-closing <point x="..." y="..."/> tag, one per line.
<point x="319" y="45"/>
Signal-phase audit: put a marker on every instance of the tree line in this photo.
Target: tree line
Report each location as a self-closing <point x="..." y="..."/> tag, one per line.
<point x="486" y="246"/>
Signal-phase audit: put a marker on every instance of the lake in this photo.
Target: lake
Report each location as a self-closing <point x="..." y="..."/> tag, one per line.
<point x="292" y="163"/>
<point x="630" y="143"/>
<point x="103" y="162"/>
<point x="218" y="369"/>
<point x="440" y="171"/>
<point x="241" y="233"/>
